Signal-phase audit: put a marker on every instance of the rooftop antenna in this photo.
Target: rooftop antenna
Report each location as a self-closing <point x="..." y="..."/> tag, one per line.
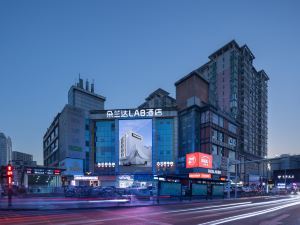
<point x="87" y="85"/>
<point x="80" y="84"/>
<point x="92" y="86"/>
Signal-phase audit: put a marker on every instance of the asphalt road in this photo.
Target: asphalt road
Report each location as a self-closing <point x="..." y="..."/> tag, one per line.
<point x="257" y="211"/>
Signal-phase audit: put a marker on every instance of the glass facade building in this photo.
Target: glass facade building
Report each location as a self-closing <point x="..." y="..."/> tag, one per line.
<point x="164" y="139"/>
<point x="105" y="142"/>
<point x="154" y="143"/>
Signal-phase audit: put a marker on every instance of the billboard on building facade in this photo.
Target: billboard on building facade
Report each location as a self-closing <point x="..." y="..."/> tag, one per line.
<point x="198" y="159"/>
<point x="135" y="143"/>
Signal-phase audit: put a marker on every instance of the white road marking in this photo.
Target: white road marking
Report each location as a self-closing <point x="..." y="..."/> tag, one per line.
<point x="247" y="215"/>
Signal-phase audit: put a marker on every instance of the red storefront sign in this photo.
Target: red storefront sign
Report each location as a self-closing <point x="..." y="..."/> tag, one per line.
<point x="200" y="175"/>
<point x="198" y="159"/>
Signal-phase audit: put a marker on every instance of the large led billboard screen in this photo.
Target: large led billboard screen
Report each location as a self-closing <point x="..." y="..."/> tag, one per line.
<point x="198" y="159"/>
<point x="135" y="144"/>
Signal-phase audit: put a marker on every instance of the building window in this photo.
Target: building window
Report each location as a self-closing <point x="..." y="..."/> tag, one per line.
<point x="214" y="150"/>
<point x="232" y="128"/>
<point x="215" y="119"/>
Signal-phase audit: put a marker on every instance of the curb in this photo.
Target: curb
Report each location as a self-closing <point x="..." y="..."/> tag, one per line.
<point x="108" y="207"/>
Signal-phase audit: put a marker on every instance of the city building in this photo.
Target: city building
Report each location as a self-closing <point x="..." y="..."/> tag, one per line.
<point x="22" y="159"/>
<point x="239" y="90"/>
<point x="5" y="149"/>
<point x="159" y="99"/>
<point x="85" y="98"/>
<point x="136" y="147"/>
<point x="131" y="146"/>
<point x="219" y="114"/>
<point x="66" y="141"/>
<point x="203" y="127"/>
<point x="285" y="162"/>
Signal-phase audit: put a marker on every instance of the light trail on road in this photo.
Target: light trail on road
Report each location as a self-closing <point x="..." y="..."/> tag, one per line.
<point x="247" y="215"/>
<point x="205" y="213"/>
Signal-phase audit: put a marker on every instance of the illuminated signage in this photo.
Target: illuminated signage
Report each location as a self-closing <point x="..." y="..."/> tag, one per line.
<point x="106" y="164"/>
<point x="281" y="185"/>
<point x="198" y="159"/>
<point x="164" y="164"/>
<point x="9" y="174"/>
<point x="94" y="178"/>
<point x="214" y="171"/>
<point x="130" y="113"/>
<point x="43" y="171"/>
<point x="200" y="175"/>
<point x="286" y="176"/>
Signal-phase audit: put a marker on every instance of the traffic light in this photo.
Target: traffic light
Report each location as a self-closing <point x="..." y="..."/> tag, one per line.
<point x="9" y="174"/>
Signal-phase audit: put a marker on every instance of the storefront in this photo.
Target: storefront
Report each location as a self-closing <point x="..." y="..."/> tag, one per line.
<point x="287" y="179"/>
<point x="85" y="181"/>
<point x="42" y="179"/>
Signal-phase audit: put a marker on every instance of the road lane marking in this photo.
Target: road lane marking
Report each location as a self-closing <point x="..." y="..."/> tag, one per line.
<point x="247" y="215"/>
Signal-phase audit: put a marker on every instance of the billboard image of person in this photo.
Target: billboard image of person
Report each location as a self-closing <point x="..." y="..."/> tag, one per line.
<point x="135" y="142"/>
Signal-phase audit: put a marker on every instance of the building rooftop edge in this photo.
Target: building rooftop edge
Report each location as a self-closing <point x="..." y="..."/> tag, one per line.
<point x="194" y="72"/>
<point x="88" y="92"/>
<point x="231" y="43"/>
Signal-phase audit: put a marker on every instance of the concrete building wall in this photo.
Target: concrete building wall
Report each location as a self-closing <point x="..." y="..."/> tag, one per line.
<point x="84" y="99"/>
<point x="21" y="156"/>
<point x="72" y="133"/>
<point x="191" y="90"/>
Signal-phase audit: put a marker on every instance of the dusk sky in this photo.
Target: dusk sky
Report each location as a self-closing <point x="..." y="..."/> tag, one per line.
<point x="131" y="48"/>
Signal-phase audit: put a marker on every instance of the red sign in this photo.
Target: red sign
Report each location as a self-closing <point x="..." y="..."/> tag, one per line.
<point x="198" y="159"/>
<point x="192" y="160"/>
<point x="200" y="175"/>
<point x="9" y="173"/>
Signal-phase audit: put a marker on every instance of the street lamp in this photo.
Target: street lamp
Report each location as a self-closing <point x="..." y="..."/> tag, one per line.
<point x="230" y="163"/>
<point x="268" y="169"/>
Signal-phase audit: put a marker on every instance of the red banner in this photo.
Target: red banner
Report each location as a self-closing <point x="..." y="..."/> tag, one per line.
<point x="200" y="175"/>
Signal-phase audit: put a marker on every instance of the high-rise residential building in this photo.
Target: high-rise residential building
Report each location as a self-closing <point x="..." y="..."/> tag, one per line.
<point x="67" y="140"/>
<point x="239" y="90"/>
<point x="5" y="149"/>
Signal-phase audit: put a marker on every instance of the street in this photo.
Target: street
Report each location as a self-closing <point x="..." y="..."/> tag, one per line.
<point x="259" y="211"/>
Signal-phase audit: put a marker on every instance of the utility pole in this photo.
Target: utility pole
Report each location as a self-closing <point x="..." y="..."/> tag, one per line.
<point x="231" y="162"/>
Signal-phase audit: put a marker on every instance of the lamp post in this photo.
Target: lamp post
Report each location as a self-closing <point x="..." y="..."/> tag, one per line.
<point x="268" y="169"/>
<point x="231" y="162"/>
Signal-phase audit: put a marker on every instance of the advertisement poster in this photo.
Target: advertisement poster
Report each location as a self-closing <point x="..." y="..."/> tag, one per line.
<point x="135" y="143"/>
<point x="198" y="160"/>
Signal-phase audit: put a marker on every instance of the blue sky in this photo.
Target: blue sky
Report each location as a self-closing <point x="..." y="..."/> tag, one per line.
<point x="130" y="48"/>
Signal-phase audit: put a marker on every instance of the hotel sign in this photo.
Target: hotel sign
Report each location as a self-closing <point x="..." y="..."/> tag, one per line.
<point x="130" y="113"/>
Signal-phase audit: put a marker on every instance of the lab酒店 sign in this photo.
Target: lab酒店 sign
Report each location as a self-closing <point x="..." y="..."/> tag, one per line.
<point x="130" y="113"/>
